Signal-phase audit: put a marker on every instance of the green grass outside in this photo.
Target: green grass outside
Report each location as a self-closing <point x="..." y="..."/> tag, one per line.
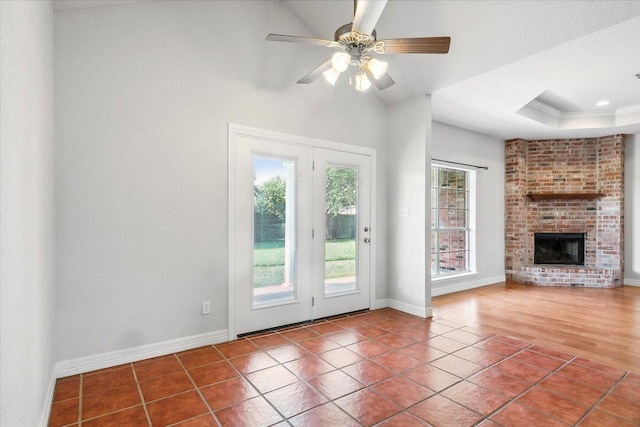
<point x="269" y="261"/>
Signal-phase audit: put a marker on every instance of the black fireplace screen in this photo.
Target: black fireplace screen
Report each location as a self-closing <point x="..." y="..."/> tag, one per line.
<point x="559" y="248"/>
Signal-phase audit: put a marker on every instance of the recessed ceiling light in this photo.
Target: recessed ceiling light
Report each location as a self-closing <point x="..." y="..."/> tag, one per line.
<point x="602" y="103"/>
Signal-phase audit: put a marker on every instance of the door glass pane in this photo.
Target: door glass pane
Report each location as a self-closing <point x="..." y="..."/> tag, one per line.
<point x="340" y="270"/>
<point x="273" y="230"/>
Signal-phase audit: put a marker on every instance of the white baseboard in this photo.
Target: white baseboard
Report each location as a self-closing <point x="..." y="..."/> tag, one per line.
<point x="381" y="303"/>
<point x="48" y="401"/>
<point x="114" y="358"/>
<point x="409" y="308"/>
<point x="463" y="286"/>
<point x="631" y="282"/>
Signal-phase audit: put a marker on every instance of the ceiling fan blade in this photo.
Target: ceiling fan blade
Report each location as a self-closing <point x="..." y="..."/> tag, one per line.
<point x="416" y="45"/>
<point x="383" y="82"/>
<point x="366" y="15"/>
<point x="299" y="39"/>
<point x="315" y="73"/>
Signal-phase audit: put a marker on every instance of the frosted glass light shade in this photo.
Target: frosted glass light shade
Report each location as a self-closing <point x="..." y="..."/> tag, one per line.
<point x="331" y="75"/>
<point x="362" y="81"/>
<point x="377" y="68"/>
<point x="340" y="61"/>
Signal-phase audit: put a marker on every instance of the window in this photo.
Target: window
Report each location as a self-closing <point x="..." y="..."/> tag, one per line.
<point x="451" y="221"/>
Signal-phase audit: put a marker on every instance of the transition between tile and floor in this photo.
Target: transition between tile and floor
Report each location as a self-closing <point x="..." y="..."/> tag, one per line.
<point x="380" y="367"/>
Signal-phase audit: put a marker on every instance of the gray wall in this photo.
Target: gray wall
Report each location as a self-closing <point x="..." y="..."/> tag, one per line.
<point x="144" y="94"/>
<point x="409" y="146"/>
<point x="26" y="212"/>
<point x="632" y="210"/>
<point x="464" y="146"/>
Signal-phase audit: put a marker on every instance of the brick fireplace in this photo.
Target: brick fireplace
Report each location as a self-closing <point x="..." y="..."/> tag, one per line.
<point x="571" y="187"/>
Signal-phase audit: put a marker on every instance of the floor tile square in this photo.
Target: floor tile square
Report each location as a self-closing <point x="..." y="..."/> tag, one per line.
<point x="414" y="334"/>
<point x="335" y="384"/>
<point x="588" y="375"/>
<point x="237" y="348"/>
<point x="457" y="366"/>
<point x="369" y="348"/>
<point x="553" y="405"/>
<point x="422" y="352"/>
<point x="517" y="415"/>
<point x="295" y="399"/>
<point x="176" y="408"/>
<point x="369" y="331"/>
<point x="253" y="362"/>
<point x="168" y="385"/>
<point x="552" y="353"/>
<point x="200" y="421"/>
<point x="463" y="337"/>
<point x="367" y="406"/>
<point x="481" y="357"/>
<point x="323" y="416"/>
<point x="229" y="392"/>
<point x="621" y="407"/>
<point x="64" y="412"/>
<point x="440" y="411"/>
<point x="617" y="373"/>
<point x="527" y="373"/>
<point x="445" y="344"/>
<point x="345" y="338"/>
<point x="403" y="391"/>
<point x="288" y="352"/>
<point x="319" y="345"/>
<point x="571" y="389"/>
<point x="106" y="379"/>
<point x="432" y="377"/>
<point x="272" y="378"/>
<point x="495" y="346"/>
<point x="157" y="367"/>
<point x="497" y="381"/>
<point x="309" y="367"/>
<point x="325" y="328"/>
<point x="438" y="328"/>
<point x="538" y="360"/>
<point x="476" y="398"/>
<point x="300" y="334"/>
<point x="67" y="388"/>
<point x="397" y="361"/>
<point x="129" y="417"/>
<point x="269" y="341"/>
<point x="340" y="357"/>
<point x="403" y="419"/>
<point x="110" y="400"/>
<point x="394" y="340"/>
<point x="603" y="419"/>
<point x="628" y="388"/>
<point x="348" y="322"/>
<point x="199" y="357"/>
<point x="367" y="372"/>
<point x="255" y="412"/>
<point x="212" y="373"/>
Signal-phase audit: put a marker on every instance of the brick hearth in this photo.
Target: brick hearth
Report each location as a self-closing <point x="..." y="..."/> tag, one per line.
<point x="565" y="186"/>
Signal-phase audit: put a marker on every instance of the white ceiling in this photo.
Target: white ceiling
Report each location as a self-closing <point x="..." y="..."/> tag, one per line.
<point x="505" y="54"/>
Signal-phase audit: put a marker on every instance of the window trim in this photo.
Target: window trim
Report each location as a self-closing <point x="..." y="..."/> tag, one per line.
<point x="471" y="223"/>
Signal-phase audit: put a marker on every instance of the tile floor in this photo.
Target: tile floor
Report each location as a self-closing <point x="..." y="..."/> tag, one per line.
<point x="381" y="367"/>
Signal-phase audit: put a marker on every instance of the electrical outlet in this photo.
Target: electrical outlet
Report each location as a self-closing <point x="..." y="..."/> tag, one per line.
<point x="400" y="283"/>
<point x="206" y="307"/>
<point x="403" y="211"/>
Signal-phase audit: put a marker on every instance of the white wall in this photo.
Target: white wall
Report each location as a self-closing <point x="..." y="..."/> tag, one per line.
<point x="144" y="93"/>
<point x="632" y="210"/>
<point x="26" y="212"/>
<point x="409" y="147"/>
<point x="464" y="146"/>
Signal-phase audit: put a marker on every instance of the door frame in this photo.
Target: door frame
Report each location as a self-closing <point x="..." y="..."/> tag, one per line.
<point x="235" y="133"/>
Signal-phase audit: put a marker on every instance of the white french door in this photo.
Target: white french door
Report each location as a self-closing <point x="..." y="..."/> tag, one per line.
<point x="300" y="232"/>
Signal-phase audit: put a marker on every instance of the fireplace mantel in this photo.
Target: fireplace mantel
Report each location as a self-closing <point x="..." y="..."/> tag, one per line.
<point x="564" y="196"/>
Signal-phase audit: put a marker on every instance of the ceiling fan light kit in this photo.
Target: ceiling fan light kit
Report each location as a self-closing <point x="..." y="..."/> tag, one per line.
<point x="357" y="41"/>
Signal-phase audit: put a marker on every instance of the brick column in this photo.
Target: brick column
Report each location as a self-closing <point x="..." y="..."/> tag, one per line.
<point x="515" y="206"/>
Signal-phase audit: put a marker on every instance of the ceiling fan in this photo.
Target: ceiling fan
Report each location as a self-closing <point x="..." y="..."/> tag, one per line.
<point x="356" y="42"/>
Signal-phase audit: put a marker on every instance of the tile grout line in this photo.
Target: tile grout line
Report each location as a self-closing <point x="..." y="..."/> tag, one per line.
<point x="603" y="397"/>
<point x="144" y="403"/>
<point x="206" y="402"/>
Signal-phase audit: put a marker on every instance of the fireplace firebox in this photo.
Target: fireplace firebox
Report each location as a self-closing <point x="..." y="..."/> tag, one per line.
<point x="559" y="248"/>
